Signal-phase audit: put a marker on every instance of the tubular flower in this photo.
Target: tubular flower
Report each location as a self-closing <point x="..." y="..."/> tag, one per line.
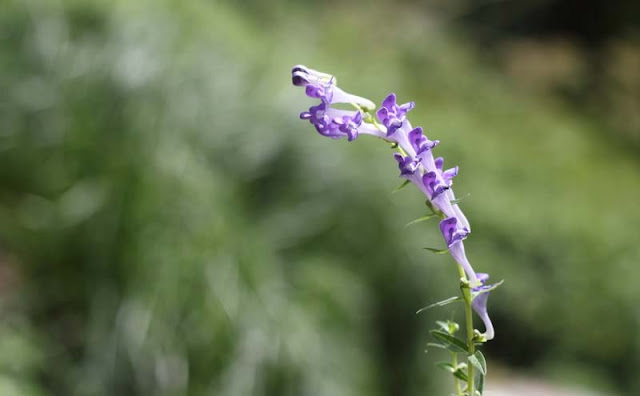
<point x="419" y="142"/>
<point x="454" y="235"/>
<point x="410" y="170"/>
<point x="302" y="75"/>
<point x="391" y="115"/>
<point x="408" y="165"/>
<point x="435" y="185"/>
<point x="323" y="86"/>
<point x="448" y="176"/>
<point x="479" y="304"/>
<point x="328" y="121"/>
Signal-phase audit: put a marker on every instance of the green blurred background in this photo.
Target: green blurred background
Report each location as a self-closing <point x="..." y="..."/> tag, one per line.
<point x="168" y="226"/>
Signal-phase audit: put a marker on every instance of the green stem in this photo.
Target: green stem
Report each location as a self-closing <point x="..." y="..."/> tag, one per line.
<point x="466" y="293"/>
<point x="454" y="362"/>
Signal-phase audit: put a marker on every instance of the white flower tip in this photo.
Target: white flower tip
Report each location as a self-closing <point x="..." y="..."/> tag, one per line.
<point x="367" y="105"/>
<point x="312" y="72"/>
<point x="489" y="335"/>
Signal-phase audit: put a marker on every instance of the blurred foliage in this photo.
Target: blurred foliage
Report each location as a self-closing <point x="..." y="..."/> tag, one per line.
<point x="169" y="226"/>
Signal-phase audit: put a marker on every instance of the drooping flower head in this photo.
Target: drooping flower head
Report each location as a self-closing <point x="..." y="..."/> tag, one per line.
<point x="328" y="121"/>
<point x="324" y="86"/>
<point x="416" y="161"/>
<point x="479" y="304"/>
<point x="333" y="123"/>
<point x="302" y="76"/>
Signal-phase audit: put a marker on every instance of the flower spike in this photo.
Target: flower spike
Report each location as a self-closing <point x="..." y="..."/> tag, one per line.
<point x="418" y="166"/>
<point x="415" y="159"/>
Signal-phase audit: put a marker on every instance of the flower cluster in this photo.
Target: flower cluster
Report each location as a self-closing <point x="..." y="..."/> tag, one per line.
<point x="415" y="159"/>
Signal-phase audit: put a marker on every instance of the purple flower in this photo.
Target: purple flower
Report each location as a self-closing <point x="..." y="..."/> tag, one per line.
<point x="337" y="124"/>
<point x="434" y="184"/>
<point x="391" y="115"/>
<point x="447" y="175"/>
<point x="408" y="165"/>
<point x="422" y="147"/>
<point x="302" y="76"/>
<point x="410" y="169"/>
<point x="330" y="122"/>
<point x="454" y="235"/>
<point x="315" y="114"/>
<point x="320" y="91"/>
<point x="479" y="304"/>
<point x="415" y="161"/>
<point x="451" y="232"/>
<point x="349" y="125"/>
<point x="323" y="86"/>
<point x="438" y="188"/>
<point x="419" y="142"/>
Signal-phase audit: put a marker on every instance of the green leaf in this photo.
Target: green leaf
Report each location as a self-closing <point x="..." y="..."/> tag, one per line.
<point x="482" y="361"/>
<point x="436" y="251"/>
<point x="452" y="343"/>
<point x="456" y="201"/>
<point x="460" y="374"/>
<point x="430" y="205"/>
<point x="420" y="220"/>
<point x="401" y="186"/>
<point x="440" y="303"/>
<point x="446" y="366"/>
<point x="480" y="385"/>
<point x="443" y="326"/>
<point x="448" y="326"/>
<point x="436" y="345"/>
<point x="478" y="361"/>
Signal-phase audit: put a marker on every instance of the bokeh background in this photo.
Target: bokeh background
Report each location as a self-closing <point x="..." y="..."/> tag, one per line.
<point x="168" y="226"/>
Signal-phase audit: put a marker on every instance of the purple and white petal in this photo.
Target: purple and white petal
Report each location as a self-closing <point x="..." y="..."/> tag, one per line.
<point x="302" y="75"/>
<point x="391" y="115"/>
<point x="454" y="235"/>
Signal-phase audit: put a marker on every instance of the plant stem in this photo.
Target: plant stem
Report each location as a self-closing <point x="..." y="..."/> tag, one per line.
<point x="466" y="294"/>
<point x="454" y="362"/>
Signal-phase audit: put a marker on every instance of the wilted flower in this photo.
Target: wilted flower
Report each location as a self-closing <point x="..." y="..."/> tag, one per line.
<point x="323" y="86"/>
<point x="302" y="75"/>
<point x="328" y="121"/>
<point x="479" y="304"/>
